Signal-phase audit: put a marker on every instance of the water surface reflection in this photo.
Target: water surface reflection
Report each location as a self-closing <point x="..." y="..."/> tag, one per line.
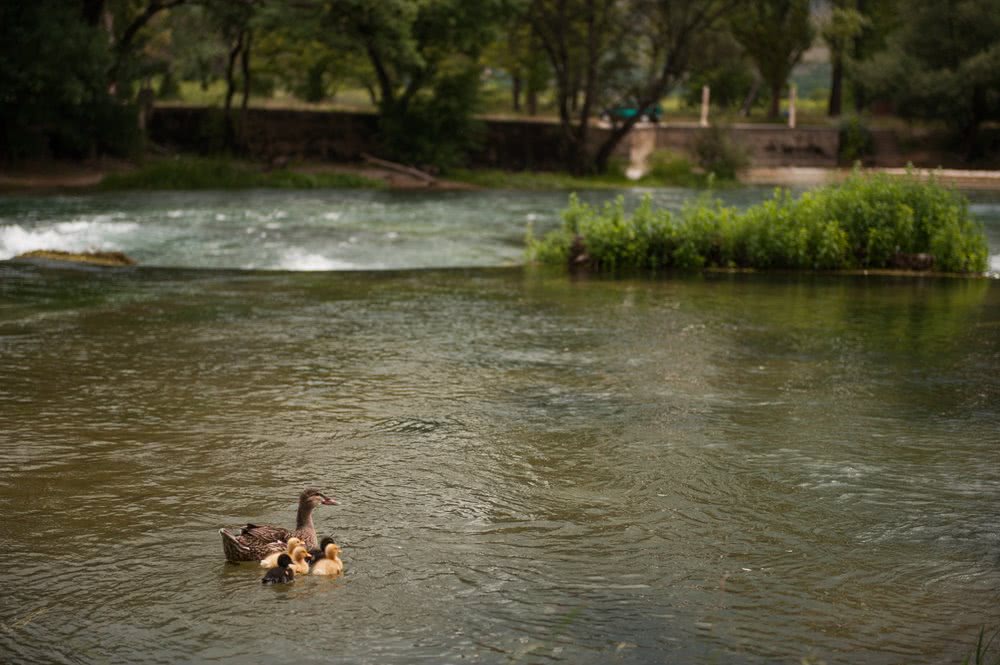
<point x="531" y="468"/>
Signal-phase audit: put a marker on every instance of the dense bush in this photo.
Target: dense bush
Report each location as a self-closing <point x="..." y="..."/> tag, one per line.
<point x="856" y="140"/>
<point x="717" y="153"/>
<point x="437" y="129"/>
<point x="866" y="222"/>
<point x="54" y="99"/>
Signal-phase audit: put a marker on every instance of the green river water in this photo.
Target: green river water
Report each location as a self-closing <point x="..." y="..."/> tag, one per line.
<point x="531" y="467"/>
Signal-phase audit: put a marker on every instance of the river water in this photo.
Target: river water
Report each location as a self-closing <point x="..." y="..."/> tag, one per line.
<point x="531" y="468"/>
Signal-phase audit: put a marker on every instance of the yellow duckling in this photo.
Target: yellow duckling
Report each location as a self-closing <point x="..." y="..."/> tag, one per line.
<point x="300" y="560"/>
<point x="272" y="560"/>
<point x="331" y="563"/>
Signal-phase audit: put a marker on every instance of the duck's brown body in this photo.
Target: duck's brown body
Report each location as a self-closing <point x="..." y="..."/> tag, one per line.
<point x="254" y="542"/>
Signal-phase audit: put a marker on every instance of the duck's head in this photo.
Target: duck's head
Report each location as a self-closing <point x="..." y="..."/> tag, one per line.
<point x="331" y="551"/>
<point x="313" y="497"/>
<point x="293" y="542"/>
<point x="300" y="554"/>
<point x="284" y="561"/>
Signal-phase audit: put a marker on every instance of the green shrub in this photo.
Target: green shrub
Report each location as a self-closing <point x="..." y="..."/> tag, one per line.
<point x="435" y="129"/>
<point x="669" y="168"/>
<point x="856" y="141"/>
<point x="717" y="153"/>
<point x="866" y="222"/>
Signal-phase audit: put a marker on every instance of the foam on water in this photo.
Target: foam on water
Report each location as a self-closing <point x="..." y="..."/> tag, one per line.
<point x="297" y="259"/>
<point x="98" y="232"/>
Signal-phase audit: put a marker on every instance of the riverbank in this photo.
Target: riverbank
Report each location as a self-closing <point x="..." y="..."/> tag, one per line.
<point x="78" y="176"/>
<point x="198" y="173"/>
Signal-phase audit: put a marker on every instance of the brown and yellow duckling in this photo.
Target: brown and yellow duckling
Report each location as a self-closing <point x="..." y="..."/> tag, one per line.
<point x="300" y="560"/>
<point x="271" y="560"/>
<point x="330" y="564"/>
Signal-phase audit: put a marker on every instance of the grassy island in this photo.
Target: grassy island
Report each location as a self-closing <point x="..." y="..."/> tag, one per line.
<point x="867" y="222"/>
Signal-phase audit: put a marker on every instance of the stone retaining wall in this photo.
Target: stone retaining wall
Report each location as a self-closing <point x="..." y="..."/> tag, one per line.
<point x="507" y="144"/>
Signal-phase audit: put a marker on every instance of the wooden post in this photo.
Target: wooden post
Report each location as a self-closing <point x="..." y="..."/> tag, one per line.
<point x="791" y="106"/>
<point x="705" y="93"/>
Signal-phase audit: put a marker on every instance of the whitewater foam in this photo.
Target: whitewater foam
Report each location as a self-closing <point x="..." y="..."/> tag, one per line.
<point x="79" y="235"/>
<point x="304" y="261"/>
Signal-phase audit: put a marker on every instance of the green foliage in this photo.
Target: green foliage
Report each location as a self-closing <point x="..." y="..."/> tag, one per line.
<point x="666" y="169"/>
<point x="537" y="180"/>
<point x="54" y="97"/>
<point x="670" y="169"/>
<point x="867" y="222"/>
<point x="435" y="129"/>
<point x="775" y="34"/>
<point x="856" y="141"/>
<point x="717" y="153"/>
<point x="942" y="63"/>
<point x="204" y="173"/>
<point x="719" y="63"/>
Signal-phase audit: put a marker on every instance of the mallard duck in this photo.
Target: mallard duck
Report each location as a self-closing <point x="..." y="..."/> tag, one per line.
<point x="271" y="560"/>
<point x="300" y="560"/>
<point x="253" y="542"/>
<point x="330" y="564"/>
<point x="282" y="574"/>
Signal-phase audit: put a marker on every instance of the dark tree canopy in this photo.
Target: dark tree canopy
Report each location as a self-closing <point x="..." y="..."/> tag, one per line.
<point x="943" y="63"/>
<point x="54" y="96"/>
<point x="77" y="76"/>
<point x="775" y="34"/>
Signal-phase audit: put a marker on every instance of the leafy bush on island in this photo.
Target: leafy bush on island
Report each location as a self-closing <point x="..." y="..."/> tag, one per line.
<point x="866" y="222"/>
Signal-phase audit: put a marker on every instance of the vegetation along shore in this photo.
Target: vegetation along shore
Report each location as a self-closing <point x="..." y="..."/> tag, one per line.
<point x="867" y="222"/>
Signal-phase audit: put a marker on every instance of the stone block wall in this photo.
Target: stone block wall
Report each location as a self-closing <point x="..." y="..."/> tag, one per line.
<point x="507" y="144"/>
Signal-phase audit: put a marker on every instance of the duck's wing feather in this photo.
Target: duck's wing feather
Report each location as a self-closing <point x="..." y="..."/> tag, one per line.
<point x="266" y="533"/>
<point x="239" y="546"/>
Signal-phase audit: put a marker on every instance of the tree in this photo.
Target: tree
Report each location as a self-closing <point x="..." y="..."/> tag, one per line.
<point x="721" y="64"/>
<point x="943" y="63"/>
<point x="881" y="19"/>
<point x="423" y="57"/>
<point x="518" y="52"/>
<point x="775" y="34"/>
<point x="133" y="16"/>
<point x="602" y="51"/>
<point x="234" y="20"/>
<point x="53" y="86"/>
<point x="841" y="28"/>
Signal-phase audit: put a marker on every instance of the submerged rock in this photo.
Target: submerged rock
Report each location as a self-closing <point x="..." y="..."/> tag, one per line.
<point x="90" y="258"/>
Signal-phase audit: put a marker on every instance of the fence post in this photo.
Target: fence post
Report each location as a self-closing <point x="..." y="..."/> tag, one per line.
<point x="791" y="105"/>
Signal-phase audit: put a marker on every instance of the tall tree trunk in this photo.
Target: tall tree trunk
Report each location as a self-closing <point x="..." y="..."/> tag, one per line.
<point x="532" y="101"/>
<point x="750" y="98"/>
<point x="970" y="135"/>
<point x="515" y="92"/>
<point x="245" y="69"/>
<point x="774" y="110"/>
<point x="230" y="129"/>
<point x="836" y="85"/>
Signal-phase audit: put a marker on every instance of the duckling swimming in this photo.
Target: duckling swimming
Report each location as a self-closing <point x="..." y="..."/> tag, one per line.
<point x="330" y="564"/>
<point x="282" y="574"/>
<point x="272" y="560"/>
<point x="318" y="554"/>
<point x="300" y="560"/>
